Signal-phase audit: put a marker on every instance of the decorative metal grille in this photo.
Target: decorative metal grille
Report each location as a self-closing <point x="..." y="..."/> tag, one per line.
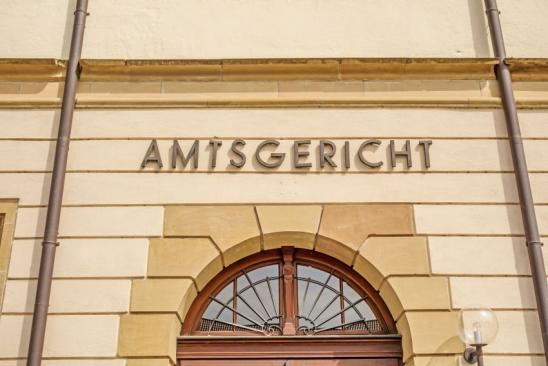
<point x="254" y="302"/>
<point x="251" y="302"/>
<point x="328" y="303"/>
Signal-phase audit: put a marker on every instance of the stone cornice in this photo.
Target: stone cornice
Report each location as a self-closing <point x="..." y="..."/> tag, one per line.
<point x="430" y="83"/>
<point x="32" y="69"/>
<point x="273" y="69"/>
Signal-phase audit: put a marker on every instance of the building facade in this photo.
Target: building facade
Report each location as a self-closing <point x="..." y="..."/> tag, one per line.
<point x="264" y="149"/>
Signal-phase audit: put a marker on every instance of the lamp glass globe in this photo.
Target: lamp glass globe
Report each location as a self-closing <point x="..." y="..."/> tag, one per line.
<point x="477" y="326"/>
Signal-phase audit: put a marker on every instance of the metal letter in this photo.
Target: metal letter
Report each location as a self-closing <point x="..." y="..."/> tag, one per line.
<point x="152" y="155"/>
<point x="235" y="150"/>
<point x="297" y="154"/>
<point x="363" y="146"/>
<point x="425" y="144"/>
<point x="177" y="152"/>
<point x="346" y="155"/>
<point x="215" y="144"/>
<point x="326" y="157"/>
<point x="405" y="152"/>
<point x="278" y="156"/>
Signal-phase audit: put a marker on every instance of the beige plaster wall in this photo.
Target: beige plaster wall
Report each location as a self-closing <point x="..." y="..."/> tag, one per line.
<point x="461" y="229"/>
<point x="140" y="29"/>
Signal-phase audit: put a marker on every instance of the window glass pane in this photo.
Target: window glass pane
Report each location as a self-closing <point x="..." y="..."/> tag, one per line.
<point x="258" y="294"/>
<point x="263" y="272"/>
<point x="248" y="316"/>
<point x="226" y="294"/>
<point x="318" y="298"/>
<point x="226" y="316"/>
<point x="225" y="297"/>
<point x="212" y="310"/>
<point x="331" y="317"/>
<point x="325" y="303"/>
<point x="351" y="302"/>
<point x="361" y="308"/>
<point x="305" y="271"/>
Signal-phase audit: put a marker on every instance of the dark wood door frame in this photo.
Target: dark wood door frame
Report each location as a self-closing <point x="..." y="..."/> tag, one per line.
<point x="213" y="348"/>
<point x="290" y="258"/>
<point x="346" y="348"/>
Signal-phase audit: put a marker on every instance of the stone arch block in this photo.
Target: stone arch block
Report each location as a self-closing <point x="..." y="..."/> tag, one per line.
<point x="399" y="268"/>
<point x="353" y="224"/>
<point x="162" y="295"/>
<point x="149" y="362"/>
<point x="234" y="229"/>
<point x="148" y="335"/>
<point x="195" y="258"/>
<point x="381" y="257"/>
<point x="408" y="293"/>
<point x="289" y="225"/>
<point x="428" y="333"/>
<point x="375" y="239"/>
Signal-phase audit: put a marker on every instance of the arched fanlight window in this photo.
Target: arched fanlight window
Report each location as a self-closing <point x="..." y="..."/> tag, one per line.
<point x="288" y="292"/>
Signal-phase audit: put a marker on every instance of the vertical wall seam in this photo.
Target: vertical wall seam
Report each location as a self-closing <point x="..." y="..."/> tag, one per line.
<point x="316" y="237"/>
<point x="261" y="234"/>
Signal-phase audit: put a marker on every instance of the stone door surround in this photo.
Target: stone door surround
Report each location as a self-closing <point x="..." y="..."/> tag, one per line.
<point x="376" y="240"/>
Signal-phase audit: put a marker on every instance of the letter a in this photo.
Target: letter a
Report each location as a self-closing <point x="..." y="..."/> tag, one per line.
<point x="152" y="155"/>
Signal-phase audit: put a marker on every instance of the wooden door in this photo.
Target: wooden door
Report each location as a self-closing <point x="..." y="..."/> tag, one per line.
<point x="335" y="362"/>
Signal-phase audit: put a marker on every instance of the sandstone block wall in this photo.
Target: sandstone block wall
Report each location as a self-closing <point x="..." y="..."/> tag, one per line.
<point x="138" y="245"/>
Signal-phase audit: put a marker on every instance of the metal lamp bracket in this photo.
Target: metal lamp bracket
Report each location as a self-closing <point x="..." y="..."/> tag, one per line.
<point x="470" y="355"/>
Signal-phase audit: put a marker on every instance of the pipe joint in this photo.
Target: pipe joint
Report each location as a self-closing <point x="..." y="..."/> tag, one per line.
<point x="502" y="63"/>
<point x="530" y="243"/>
<point x="81" y="11"/>
<point x="78" y="71"/>
<point x="50" y="242"/>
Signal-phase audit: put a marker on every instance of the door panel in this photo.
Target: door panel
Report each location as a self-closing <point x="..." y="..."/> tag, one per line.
<point x="345" y="362"/>
<point x="342" y="362"/>
<point x="234" y="363"/>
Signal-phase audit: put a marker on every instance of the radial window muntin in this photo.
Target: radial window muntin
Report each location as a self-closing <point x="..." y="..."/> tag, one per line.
<point x="326" y="297"/>
<point x="246" y="303"/>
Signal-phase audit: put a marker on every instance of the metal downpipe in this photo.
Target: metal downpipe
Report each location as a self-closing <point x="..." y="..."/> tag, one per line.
<point x="49" y="244"/>
<point x="534" y="245"/>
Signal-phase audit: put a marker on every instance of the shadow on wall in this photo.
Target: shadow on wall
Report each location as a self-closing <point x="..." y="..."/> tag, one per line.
<point x="480" y="30"/>
<point x="36" y="253"/>
<point x="37" y="250"/>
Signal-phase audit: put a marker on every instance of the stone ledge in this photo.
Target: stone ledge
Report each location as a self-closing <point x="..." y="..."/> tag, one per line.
<point x="32" y="69"/>
<point x="275" y="94"/>
<point x="166" y="101"/>
<point x="271" y="69"/>
<point x="274" y="69"/>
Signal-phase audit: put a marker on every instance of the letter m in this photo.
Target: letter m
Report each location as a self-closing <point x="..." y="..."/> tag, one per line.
<point x="176" y="153"/>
